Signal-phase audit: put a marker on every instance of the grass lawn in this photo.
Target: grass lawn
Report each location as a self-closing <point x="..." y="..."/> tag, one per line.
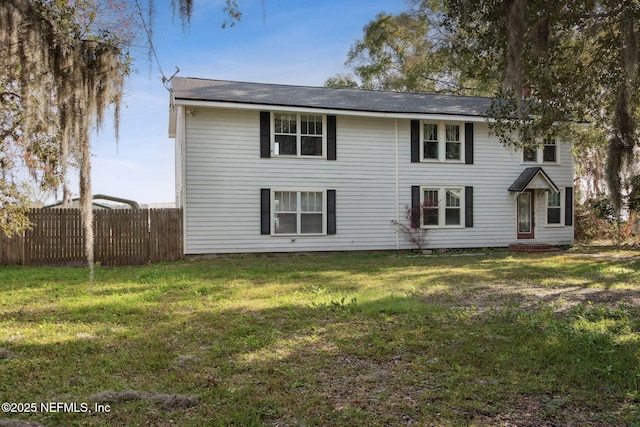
<point x="340" y="339"/>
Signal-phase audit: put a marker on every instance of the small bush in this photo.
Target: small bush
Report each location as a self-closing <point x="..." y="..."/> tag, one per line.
<point x="412" y="231"/>
<point x="596" y="222"/>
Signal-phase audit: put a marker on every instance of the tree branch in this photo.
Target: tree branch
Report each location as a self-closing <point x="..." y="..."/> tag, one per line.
<point x="4" y="95"/>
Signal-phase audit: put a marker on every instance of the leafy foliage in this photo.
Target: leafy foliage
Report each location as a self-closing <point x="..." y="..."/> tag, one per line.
<point x="603" y="209"/>
<point x="597" y="222"/>
<point x="578" y="59"/>
<point x="13" y="218"/>
<point x="409" y="52"/>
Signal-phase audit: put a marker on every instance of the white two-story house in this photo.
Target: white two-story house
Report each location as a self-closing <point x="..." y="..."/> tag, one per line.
<point x="280" y="168"/>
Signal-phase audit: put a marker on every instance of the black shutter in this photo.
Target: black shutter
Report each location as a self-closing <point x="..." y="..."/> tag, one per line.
<point x="265" y="211"/>
<point x="265" y="134"/>
<point x="331" y="211"/>
<point x="415" y="206"/>
<point x="568" y="206"/>
<point x="331" y="138"/>
<point x="415" y="141"/>
<point x="468" y="143"/>
<point x="468" y="207"/>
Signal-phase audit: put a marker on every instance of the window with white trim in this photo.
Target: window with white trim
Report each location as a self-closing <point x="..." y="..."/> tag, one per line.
<point x="554" y="208"/>
<point x="298" y="212"/>
<point x="300" y="135"/>
<point x="453" y="214"/>
<point x="530" y="155"/>
<point x="430" y="209"/>
<point x="442" y="141"/>
<point x="452" y="142"/>
<point x="442" y="207"/>
<point x="430" y="141"/>
<point x="547" y="152"/>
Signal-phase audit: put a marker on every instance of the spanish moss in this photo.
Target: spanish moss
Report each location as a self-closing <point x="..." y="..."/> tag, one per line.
<point x="64" y="83"/>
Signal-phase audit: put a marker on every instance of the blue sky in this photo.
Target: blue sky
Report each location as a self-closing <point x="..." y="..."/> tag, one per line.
<point x="278" y="41"/>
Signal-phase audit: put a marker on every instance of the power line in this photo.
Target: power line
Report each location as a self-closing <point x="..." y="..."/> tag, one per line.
<point x="147" y="29"/>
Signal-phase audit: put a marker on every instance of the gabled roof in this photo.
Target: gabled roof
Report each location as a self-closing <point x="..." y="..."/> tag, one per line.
<point x="194" y="89"/>
<point x="529" y="177"/>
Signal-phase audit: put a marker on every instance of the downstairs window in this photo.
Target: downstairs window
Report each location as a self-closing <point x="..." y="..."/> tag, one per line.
<point x="298" y="212"/>
<point x="442" y="207"/>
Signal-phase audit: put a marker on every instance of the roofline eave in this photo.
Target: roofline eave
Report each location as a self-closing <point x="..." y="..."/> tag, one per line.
<point x="334" y="111"/>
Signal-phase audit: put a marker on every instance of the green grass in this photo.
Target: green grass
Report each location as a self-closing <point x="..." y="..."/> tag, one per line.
<point x="341" y="339"/>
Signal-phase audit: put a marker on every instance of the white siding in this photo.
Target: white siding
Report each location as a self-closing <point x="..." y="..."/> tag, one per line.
<point x="494" y="170"/>
<point x="223" y="173"/>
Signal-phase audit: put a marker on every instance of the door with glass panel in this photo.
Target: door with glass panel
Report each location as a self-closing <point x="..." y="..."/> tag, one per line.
<point x="526" y="217"/>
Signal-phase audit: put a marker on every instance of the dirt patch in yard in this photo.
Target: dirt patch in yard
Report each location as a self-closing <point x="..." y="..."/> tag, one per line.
<point x="561" y="280"/>
<point x="510" y="294"/>
<point x="528" y="413"/>
<point x="18" y="423"/>
<point x="6" y="354"/>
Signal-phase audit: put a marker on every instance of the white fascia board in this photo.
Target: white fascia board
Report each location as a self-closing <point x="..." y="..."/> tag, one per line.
<point x="242" y="106"/>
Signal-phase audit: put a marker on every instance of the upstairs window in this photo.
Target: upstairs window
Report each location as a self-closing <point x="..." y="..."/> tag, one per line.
<point x="530" y="155"/>
<point x="311" y="134"/>
<point x="286" y="134"/>
<point x="431" y="143"/>
<point x="301" y="135"/>
<point x="453" y="142"/>
<point x="442" y="142"/>
<point x="546" y="153"/>
<point x="549" y="151"/>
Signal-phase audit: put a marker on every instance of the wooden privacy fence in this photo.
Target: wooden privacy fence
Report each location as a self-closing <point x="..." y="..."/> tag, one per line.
<point x="121" y="237"/>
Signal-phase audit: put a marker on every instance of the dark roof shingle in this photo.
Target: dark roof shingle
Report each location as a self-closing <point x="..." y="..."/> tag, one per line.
<point x="327" y="98"/>
<point x="527" y="175"/>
